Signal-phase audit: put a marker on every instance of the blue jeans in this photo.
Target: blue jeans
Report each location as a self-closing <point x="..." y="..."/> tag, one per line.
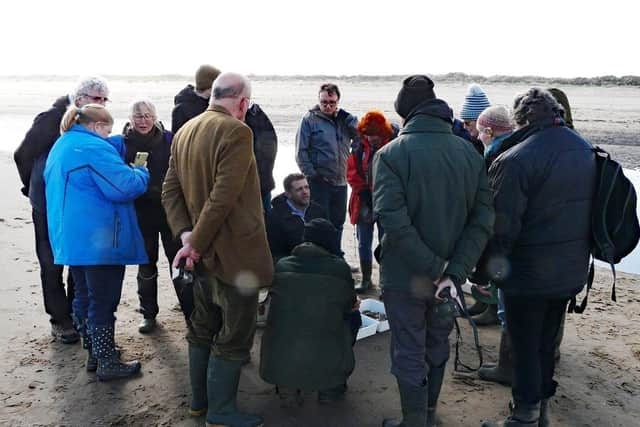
<point x="364" y="232"/>
<point x="333" y="198"/>
<point x="97" y="293"/>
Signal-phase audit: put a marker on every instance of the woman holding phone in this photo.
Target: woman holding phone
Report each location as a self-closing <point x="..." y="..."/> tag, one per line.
<point x="144" y="134"/>
<point x="92" y="227"/>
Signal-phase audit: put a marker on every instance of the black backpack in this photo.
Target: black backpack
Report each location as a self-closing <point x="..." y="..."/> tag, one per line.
<point x="614" y="222"/>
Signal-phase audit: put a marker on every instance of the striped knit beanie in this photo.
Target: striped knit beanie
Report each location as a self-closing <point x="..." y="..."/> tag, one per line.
<point x="497" y="118"/>
<point x="475" y="102"/>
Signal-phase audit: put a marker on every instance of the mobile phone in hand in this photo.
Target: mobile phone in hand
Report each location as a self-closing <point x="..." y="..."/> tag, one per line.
<point x="141" y="158"/>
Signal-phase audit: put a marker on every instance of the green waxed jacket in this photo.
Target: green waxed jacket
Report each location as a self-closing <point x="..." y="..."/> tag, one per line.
<point x="307" y="344"/>
<point x="433" y="200"/>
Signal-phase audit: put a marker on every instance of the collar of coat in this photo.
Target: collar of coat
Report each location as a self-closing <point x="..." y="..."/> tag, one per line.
<point x="308" y="249"/>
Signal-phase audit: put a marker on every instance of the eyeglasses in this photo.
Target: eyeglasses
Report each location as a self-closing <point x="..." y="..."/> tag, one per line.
<point x="332" y="103"/>
<point x="96" y="98"/>
<point x="145" y="116"/>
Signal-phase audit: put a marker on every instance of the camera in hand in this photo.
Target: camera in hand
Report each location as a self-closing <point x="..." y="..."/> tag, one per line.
<point x="182" y="276"/>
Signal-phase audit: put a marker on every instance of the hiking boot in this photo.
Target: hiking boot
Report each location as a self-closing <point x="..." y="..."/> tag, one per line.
<point x="523" y="415"/>
<point x="365" y="283"/>
<point x="488" y="317"/>
<point x="501" y="372"/>
<point x="223" y="377"/>
<point x="332" y="395"/>
<point x="66" y="334"/>
<point x="147" y="325"/>
<point x="413" y="402"/>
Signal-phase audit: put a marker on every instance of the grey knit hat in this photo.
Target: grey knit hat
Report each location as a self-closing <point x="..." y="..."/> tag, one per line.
<point x="475" y="102"/>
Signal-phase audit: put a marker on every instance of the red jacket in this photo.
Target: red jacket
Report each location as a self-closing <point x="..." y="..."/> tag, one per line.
<point x="359" y="177"/>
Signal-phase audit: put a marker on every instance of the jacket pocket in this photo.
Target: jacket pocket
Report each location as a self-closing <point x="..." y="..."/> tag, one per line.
<point x="116" y="229"/>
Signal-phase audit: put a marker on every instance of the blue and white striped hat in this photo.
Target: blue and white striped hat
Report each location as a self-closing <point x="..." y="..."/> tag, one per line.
<point x="475" y="102"/>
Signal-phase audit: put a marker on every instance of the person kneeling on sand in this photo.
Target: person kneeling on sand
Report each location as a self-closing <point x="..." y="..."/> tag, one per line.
<point x="310" y="347"/>
<point x="90" y="191"/>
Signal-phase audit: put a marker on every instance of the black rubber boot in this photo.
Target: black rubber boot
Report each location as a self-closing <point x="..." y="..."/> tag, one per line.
<point x="365" y="283"/>
<point x="223" y="377"/>
<point x="544" y="420"/>
<point x="478" y="307"/>
<point x="198" y="362"/>
<point x="487" y="317"/>
<point x="413" y="401"/>
<point x="148" y="294"/>
<point x="523" y="415"/>
<point x="502" y="372"/>
<point x="109" y="365"/>
<point x="435" y="378"/>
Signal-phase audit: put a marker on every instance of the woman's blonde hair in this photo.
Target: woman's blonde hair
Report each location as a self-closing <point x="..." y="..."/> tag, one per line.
<point x="90" y="113"/>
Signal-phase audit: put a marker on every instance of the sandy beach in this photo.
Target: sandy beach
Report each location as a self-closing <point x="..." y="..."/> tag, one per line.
<point x="45" y="383"/>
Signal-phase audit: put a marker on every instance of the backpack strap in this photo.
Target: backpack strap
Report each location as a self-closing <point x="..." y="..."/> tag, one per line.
<point x="573" y="307"/>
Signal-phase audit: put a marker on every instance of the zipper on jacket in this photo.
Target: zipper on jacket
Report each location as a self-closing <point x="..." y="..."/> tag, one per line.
<point x="116" y="229"/>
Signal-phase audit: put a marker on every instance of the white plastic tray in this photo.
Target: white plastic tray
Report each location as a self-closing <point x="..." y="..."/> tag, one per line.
<point x="376" y="306"/>
<point x="368" y="328"/>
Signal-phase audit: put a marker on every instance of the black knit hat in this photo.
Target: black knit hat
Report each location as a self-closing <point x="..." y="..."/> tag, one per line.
<point x="415" y="89"/>
<point x="321" y="232"/>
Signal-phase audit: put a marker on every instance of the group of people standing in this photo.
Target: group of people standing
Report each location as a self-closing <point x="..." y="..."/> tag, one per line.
<point x="443" y="212"/>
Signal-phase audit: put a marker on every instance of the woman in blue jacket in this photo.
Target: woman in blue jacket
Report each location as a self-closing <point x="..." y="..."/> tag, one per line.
<point x="93" y="228"/>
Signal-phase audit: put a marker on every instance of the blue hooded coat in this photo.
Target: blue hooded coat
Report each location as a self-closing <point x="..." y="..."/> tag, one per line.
<point x="89" y="194"/>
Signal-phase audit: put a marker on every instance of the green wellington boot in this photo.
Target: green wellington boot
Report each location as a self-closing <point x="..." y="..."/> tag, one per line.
<point x="198" y="362"/>
<point x="223" y="377"/>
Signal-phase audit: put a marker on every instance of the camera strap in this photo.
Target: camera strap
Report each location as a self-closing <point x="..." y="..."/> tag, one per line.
<point x="458" y="365"/>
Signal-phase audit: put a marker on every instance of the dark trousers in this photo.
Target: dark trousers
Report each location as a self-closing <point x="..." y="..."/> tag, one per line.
<point x="223" y="318"/>
<point x="364" y="232"/>
<point x="333" y="198"/>
<point x="419" y="340"/>
<point x="153" y="223"/>
<point x="533" y="324"/>
<point x="98" y="290"/>
<point x="57" y="302"/>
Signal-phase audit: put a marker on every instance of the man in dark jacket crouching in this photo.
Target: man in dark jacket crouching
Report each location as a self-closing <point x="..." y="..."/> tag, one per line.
<point x="539" y="255"/>
<point x="312" y="322"/>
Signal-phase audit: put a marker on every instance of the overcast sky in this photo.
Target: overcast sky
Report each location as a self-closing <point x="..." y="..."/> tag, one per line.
<point x="539" y="37"/>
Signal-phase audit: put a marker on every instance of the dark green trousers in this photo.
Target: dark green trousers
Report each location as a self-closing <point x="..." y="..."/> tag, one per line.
<point x="223" y="317"/>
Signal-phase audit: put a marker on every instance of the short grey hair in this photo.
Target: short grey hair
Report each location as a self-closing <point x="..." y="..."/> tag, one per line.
<point x="142" y="105"/>
<point x="534" y="105"/>
<point x="230" y="85"/>
<point x="88" y="84"/>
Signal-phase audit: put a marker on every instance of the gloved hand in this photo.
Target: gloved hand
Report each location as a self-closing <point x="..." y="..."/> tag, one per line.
<point x="447" y="283"/>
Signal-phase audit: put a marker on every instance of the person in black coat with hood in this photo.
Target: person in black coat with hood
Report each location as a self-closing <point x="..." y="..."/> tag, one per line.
<point x="30" y="158"/>
<point x="539" y="254"/>
<point x="194" y="100"/>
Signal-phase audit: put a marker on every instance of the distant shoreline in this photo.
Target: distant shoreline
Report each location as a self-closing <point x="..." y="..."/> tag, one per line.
<point x="440" y="78"/>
